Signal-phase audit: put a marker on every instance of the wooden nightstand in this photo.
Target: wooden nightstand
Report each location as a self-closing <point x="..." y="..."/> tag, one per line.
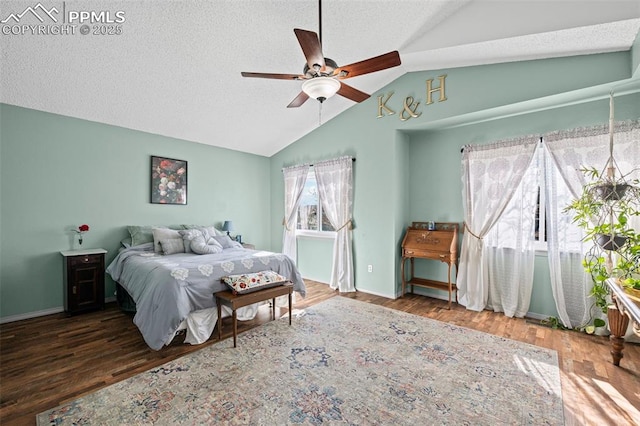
<point x="83" y="280"/>
<point x="248" y="246"/>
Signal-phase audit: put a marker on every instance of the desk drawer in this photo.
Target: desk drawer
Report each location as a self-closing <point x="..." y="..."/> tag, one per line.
<point x="86" y="259"/>
<point x="425" y="254"/>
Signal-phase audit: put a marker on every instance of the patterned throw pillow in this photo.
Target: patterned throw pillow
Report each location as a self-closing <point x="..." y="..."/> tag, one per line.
<point x="246" y="283"/>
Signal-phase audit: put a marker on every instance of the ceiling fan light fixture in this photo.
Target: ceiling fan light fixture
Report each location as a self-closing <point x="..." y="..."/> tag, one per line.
<point x="321" y="88"/>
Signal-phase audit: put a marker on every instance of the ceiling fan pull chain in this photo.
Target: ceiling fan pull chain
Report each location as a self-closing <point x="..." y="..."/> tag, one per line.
<point x="320" y="21"/>
<point x="320" y="114"/>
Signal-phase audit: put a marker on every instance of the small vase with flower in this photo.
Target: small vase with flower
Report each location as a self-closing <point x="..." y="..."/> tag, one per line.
<point x="80" y="231"/>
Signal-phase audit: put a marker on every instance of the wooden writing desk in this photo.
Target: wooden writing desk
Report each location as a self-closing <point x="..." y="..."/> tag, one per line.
<point x="440" y="243"/>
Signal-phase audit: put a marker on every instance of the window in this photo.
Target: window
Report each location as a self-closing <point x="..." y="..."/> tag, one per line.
<point x="310" y="210"/>
<point x="528" y="199"/>
<point x="541" y="216"/>
<point x="541" y="229"/>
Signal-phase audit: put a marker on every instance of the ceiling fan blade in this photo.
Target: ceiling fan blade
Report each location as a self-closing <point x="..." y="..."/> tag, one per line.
<point x="299" y="100"/>
<point x="276" y="76"/>
<point x="379" y="63"/>
<point x="352" y="93"/>
<point x="311" y="48"/>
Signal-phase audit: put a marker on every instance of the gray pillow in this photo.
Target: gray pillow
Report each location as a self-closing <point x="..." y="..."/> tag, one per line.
<point x="224" y="241"/>
<point x="190" y="233"/>
<point x="212" y="229"/>
<point x="160" y="234"/>
<point x="140" y="235"/>
<point x="172" y="246"/>
<point x="203" y="243"/>
<point x="144" y="234"/>
<point x="187" y="236"/>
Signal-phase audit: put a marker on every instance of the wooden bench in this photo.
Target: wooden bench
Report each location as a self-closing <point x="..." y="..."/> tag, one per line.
<point x="235" y="301"/>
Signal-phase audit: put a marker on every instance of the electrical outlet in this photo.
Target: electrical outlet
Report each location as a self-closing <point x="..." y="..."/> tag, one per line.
<point x="370" y="268"/>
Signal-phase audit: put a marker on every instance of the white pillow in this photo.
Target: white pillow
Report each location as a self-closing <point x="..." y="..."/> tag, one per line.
<point x="163" y="234"/>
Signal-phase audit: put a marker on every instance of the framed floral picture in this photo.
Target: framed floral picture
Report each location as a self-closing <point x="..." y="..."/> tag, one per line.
<point x="168" y="181"/>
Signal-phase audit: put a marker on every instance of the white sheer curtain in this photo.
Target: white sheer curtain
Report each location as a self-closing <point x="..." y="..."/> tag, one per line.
<point x="491" y="176"/>
<point x="510" y="251"/>
<point x="569" y="152"/>
<point x="294" y="180"/>
<point x="335" y="187"/>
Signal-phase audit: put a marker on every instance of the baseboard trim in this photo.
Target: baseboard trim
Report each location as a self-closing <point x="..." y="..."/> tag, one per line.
<point x="375" y="293"/>
<point x="536" y="316"/>
<point x="445" y="297"/>
<point x="42" y="313"/>
<point x="30" y="315"/>
<point x="397" y="294"/>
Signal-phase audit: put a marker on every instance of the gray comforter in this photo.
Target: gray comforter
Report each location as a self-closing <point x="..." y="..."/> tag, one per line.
<point x="167" y="288"/>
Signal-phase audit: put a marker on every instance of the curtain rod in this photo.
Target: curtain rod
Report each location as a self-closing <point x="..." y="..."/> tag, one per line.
<point x="352" y="159"/>
<point x="311" y="165"/>
<point x="464" y="146"/>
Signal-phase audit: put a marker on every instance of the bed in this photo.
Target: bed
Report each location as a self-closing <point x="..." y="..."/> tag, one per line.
<point x="175" y="291"/>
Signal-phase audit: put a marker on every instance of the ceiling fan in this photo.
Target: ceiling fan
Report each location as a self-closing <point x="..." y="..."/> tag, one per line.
<point x="322" y="77"/>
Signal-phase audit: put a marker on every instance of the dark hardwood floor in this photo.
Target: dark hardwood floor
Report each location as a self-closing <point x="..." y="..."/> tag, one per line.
<point x="49" y="360"/>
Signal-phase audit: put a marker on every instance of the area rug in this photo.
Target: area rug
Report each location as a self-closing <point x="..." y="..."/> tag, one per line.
<point x="342" y="362"/>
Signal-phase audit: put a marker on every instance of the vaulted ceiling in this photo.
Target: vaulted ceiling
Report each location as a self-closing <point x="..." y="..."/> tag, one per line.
<point x="175" y="68"/>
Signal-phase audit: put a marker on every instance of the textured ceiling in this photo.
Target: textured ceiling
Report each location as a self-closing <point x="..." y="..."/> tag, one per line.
<point x="175" y="69"/>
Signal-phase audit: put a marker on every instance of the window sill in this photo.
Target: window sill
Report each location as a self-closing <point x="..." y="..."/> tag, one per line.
<point x="541" y="248"/>
<point x="316" y="234"/>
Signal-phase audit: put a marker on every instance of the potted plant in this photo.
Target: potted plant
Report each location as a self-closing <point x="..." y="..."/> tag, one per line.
<point x="603" y="211"/>
<point x="628" y="266"/>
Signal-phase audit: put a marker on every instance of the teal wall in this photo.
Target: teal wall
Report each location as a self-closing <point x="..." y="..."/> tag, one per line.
<point x="316" y="263"/>
<point x="435" y="158"/>
<point x="402" y="196"/>
<point x="410" y="170"/>
<point x="59" y="172"/>
<point x="352" y="133"/>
